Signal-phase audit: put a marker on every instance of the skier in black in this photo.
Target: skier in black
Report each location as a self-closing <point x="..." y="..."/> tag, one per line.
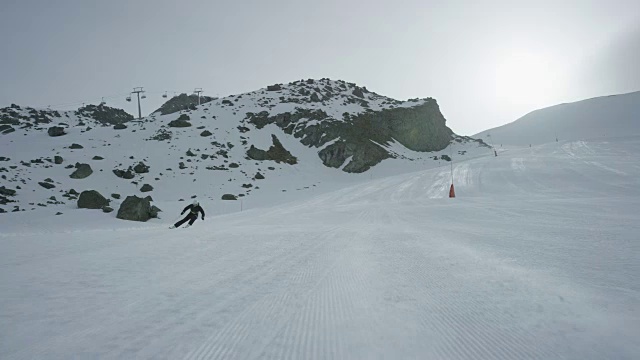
<point x="192" y="216"/>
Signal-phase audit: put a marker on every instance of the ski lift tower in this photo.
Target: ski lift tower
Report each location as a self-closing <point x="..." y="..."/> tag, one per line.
<point x="197" y="91"/>
<point x="138" y="90"/>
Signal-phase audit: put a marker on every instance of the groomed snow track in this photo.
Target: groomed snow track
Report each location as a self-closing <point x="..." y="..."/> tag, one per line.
<point x="537" y="258"/>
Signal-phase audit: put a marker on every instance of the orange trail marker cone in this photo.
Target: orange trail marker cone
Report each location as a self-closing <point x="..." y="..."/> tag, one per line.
<point x="452" y="192"/>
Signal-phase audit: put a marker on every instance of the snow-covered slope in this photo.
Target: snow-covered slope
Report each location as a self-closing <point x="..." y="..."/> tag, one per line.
<point x="211" y="157"/>
<point x="536" y="258"/>
<point x="601" y="117"/>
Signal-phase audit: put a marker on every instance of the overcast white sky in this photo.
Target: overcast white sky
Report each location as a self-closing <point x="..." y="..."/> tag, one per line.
<point x="485" y="62"/>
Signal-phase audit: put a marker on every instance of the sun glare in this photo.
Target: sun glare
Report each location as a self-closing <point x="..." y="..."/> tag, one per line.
<point x="523" y="78"/>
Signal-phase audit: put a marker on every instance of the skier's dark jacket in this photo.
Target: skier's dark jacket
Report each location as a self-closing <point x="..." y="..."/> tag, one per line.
<point x="194" y="210"/>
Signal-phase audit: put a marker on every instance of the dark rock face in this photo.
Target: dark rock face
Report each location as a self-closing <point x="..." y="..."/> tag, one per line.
<point x="314" y="97"/>
<point x="276" y="152"/>
<point x="141" y="168"/>
<point x="105" y="115"/>
<point x="115" y="196"/>
<point x="6" y="129"/>
<point x="419" y="128"/>
<point x="358" y="92"/>
<point x="181" y="102"/>
<point x="7" y="192"/>
<point x="82" y="171"/>
<point x="146" y="188"/>
<point x="119" y="127"/>
<point x="179" y="123"/>
<point x="275" y="87"/>
<point x="91" y="199"/>
<point x="134" y="208"/>
<point x="259" y="176"/>
<point x="76" y="146"/>
<point x="229" y="197"/>
<point x="56" y="131"/>
<point x="184" y="117"/>
<point x="206" y="133"/>
<point x="107" y="209"/>
<point x="57" y="160"/>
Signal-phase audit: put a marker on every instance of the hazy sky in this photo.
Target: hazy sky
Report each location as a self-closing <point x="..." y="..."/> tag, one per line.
<point x="485" y="62"/>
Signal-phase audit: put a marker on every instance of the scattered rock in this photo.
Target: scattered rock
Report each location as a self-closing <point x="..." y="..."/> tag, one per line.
<point x="82" y="171"/>
<point x="46" y="185"/>
<point x="229" y="197"/>
<point x="146" y="188"/>
<point x="128" y="174"/>
<point x="6" y="129"/>
<point x="107" y="209"/>
<point x="7" y="192"/>
<point x="58" y="159"/>
<point x="115" y="196"/>
<point x="119" y="127"/>
<point x="98" y="158"/>
<point x="275" y="87"/>
<point x="134" y="208"/>
<point x="206" y="133"/>
<point x="153" y="212"/>
<point x="56" y="131"/>
<point x="91" y="199"/>
<point x="259" y="176"/>
<point x="179" y="123"/>
<point x="76" y="146"/>
<point x="141" y="168"/>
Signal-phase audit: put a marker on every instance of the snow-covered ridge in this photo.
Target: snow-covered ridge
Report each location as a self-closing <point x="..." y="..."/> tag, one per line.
<point x="205" y="151"/>
<point x="597" y="118"/>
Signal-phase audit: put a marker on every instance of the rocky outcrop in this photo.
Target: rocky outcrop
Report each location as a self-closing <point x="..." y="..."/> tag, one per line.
<point x="181" y="102"/>
<point x="91" y="199"/>
<point x="105" y="115"/>
<point x="362" y="137"/>
<point x="82" y="171"/>
<point x="276" y="152"/>
<point x="134" y="208"/>
<point x="179" y="123"/>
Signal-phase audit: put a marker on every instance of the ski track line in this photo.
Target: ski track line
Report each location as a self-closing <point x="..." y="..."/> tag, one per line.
<point x="228" y="340"/>
<point x="187" y="302"/>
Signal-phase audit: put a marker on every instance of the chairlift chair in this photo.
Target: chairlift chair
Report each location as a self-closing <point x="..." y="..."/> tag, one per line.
<point x="128" y="98"/>
<point x="103" y="102"/>
<point x="164" y="95"/>
<point x="143" y="97"/>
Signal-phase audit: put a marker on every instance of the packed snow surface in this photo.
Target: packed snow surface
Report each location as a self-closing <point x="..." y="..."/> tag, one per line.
<point x="536" y="258"/>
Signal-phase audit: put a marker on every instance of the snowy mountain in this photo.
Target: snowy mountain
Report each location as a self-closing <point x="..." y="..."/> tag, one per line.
<point x="260" y="147"/>
<point x="601" y="117"/>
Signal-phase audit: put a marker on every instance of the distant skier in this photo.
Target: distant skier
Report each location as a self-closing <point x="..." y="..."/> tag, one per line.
<point x="192" y="216"/>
